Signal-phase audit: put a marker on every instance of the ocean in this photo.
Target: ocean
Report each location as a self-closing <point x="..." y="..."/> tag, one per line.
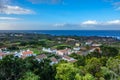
<point x="101" y="33"/>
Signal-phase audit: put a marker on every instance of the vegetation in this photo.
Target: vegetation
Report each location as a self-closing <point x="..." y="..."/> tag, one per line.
<point x="104" y="65"/>
<point x="86" y="68"/>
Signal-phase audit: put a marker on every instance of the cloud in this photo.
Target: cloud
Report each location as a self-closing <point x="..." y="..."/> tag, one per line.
<point x="46" y="1"/>
<point x="9" y="18"/>
<point x="90" y="22"/>
<point x="114" y="22"/>
<point x="94" y="22"/>
<point x="107" y="25"/>
<point x="6" y="8"/>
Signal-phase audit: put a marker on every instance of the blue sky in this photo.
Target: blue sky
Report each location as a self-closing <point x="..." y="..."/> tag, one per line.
<point x="59" y="14"/>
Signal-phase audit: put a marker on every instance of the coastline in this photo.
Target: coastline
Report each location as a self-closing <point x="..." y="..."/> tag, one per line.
<point x="87" y="33"/>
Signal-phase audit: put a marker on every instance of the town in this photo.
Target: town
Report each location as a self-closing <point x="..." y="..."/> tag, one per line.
<point x="31" y="56"/>
<point x="63" y="47"/>
<point x="63" y="54"/>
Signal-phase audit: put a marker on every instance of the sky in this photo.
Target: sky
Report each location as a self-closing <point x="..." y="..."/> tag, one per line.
<point x="59" y="14"/>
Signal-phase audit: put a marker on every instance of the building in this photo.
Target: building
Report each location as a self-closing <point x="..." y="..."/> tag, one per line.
<point x="77" y="44"/>
<point x="53" y="60"/>
<point x="2" y="55"/>
<point x="49" y="50"/>
<point x="41" y="57"/>
<point x="17" y="54"/>
<point x="64" y="52"/>
<point x="27" y="53"/>
<point x="89" y="43"/>
<point x="69" y="59"/>
<point x="76" y="48"/>
<point x="96" y="45"/>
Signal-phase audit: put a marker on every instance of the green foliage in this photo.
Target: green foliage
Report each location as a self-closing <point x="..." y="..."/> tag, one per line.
<point x="93" y="65"/>
<point x="30" y="76"/>
<point x="11" y="48"/>
<point x="114" y="65"/>
<point x="1" y="44"/>
<point x="109" y="51"/>
<point x="11" y="68"/>
<point x="66" y="71"/>
<point x="80" y="59"/>
<point x="62" y="46"/>
<point x="86" y="77"/>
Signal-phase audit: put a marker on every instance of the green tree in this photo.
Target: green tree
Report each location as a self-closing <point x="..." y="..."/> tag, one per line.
<point x="114" y="65"/>
<point x="93" y="65"/>
<point x="109" y="51"/>
<point x="80" y="59"/>
<point x="86" y="77"/>
<point x="45" y="70"/>
<point x="66" y="71"/>
<point x="11" y="68"/>
<point x="30" y="76"/>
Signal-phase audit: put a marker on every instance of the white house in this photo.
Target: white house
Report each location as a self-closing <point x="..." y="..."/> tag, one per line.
<point x="96" y="45"/>
<point x="76" y="48"/>
<point x="49" y="50"/>
<point x="18" y="54"/>
<point x="89" y="43"/>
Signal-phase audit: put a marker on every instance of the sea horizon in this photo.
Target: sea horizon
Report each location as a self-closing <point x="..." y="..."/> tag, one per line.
<point x="100" y="33"/>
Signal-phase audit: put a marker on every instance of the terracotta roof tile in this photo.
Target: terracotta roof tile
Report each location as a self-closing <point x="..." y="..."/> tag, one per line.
<point x="27" y="52"/>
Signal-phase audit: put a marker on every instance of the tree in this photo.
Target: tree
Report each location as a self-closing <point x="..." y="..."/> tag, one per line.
<point x="30" y="76"/>
<point x="78" y="77"/>
<point x="86" y="77"/>
<point x="11" y="68"/>
<point x="93" y="65"/>
<point x="109" y="74"/>
<point x="11" y="48"/>
<point x="109" y="51"/>
<point x="62" y="46"/>
<point x="114" y="65"/>
<point x="45" y="70"/>
<point x="80" y="59"/>
<point x="66" y="71"/>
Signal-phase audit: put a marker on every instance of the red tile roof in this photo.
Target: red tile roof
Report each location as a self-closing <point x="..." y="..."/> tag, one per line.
<point x="27" y="52"/>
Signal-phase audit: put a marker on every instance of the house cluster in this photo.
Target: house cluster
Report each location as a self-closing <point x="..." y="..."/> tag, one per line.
<point x="77" y="49"/>
<point x="24" y="53"/>
<point x="21" y="54"/>
<point x="44" y="56"/>
<point x="63" y="54"/>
